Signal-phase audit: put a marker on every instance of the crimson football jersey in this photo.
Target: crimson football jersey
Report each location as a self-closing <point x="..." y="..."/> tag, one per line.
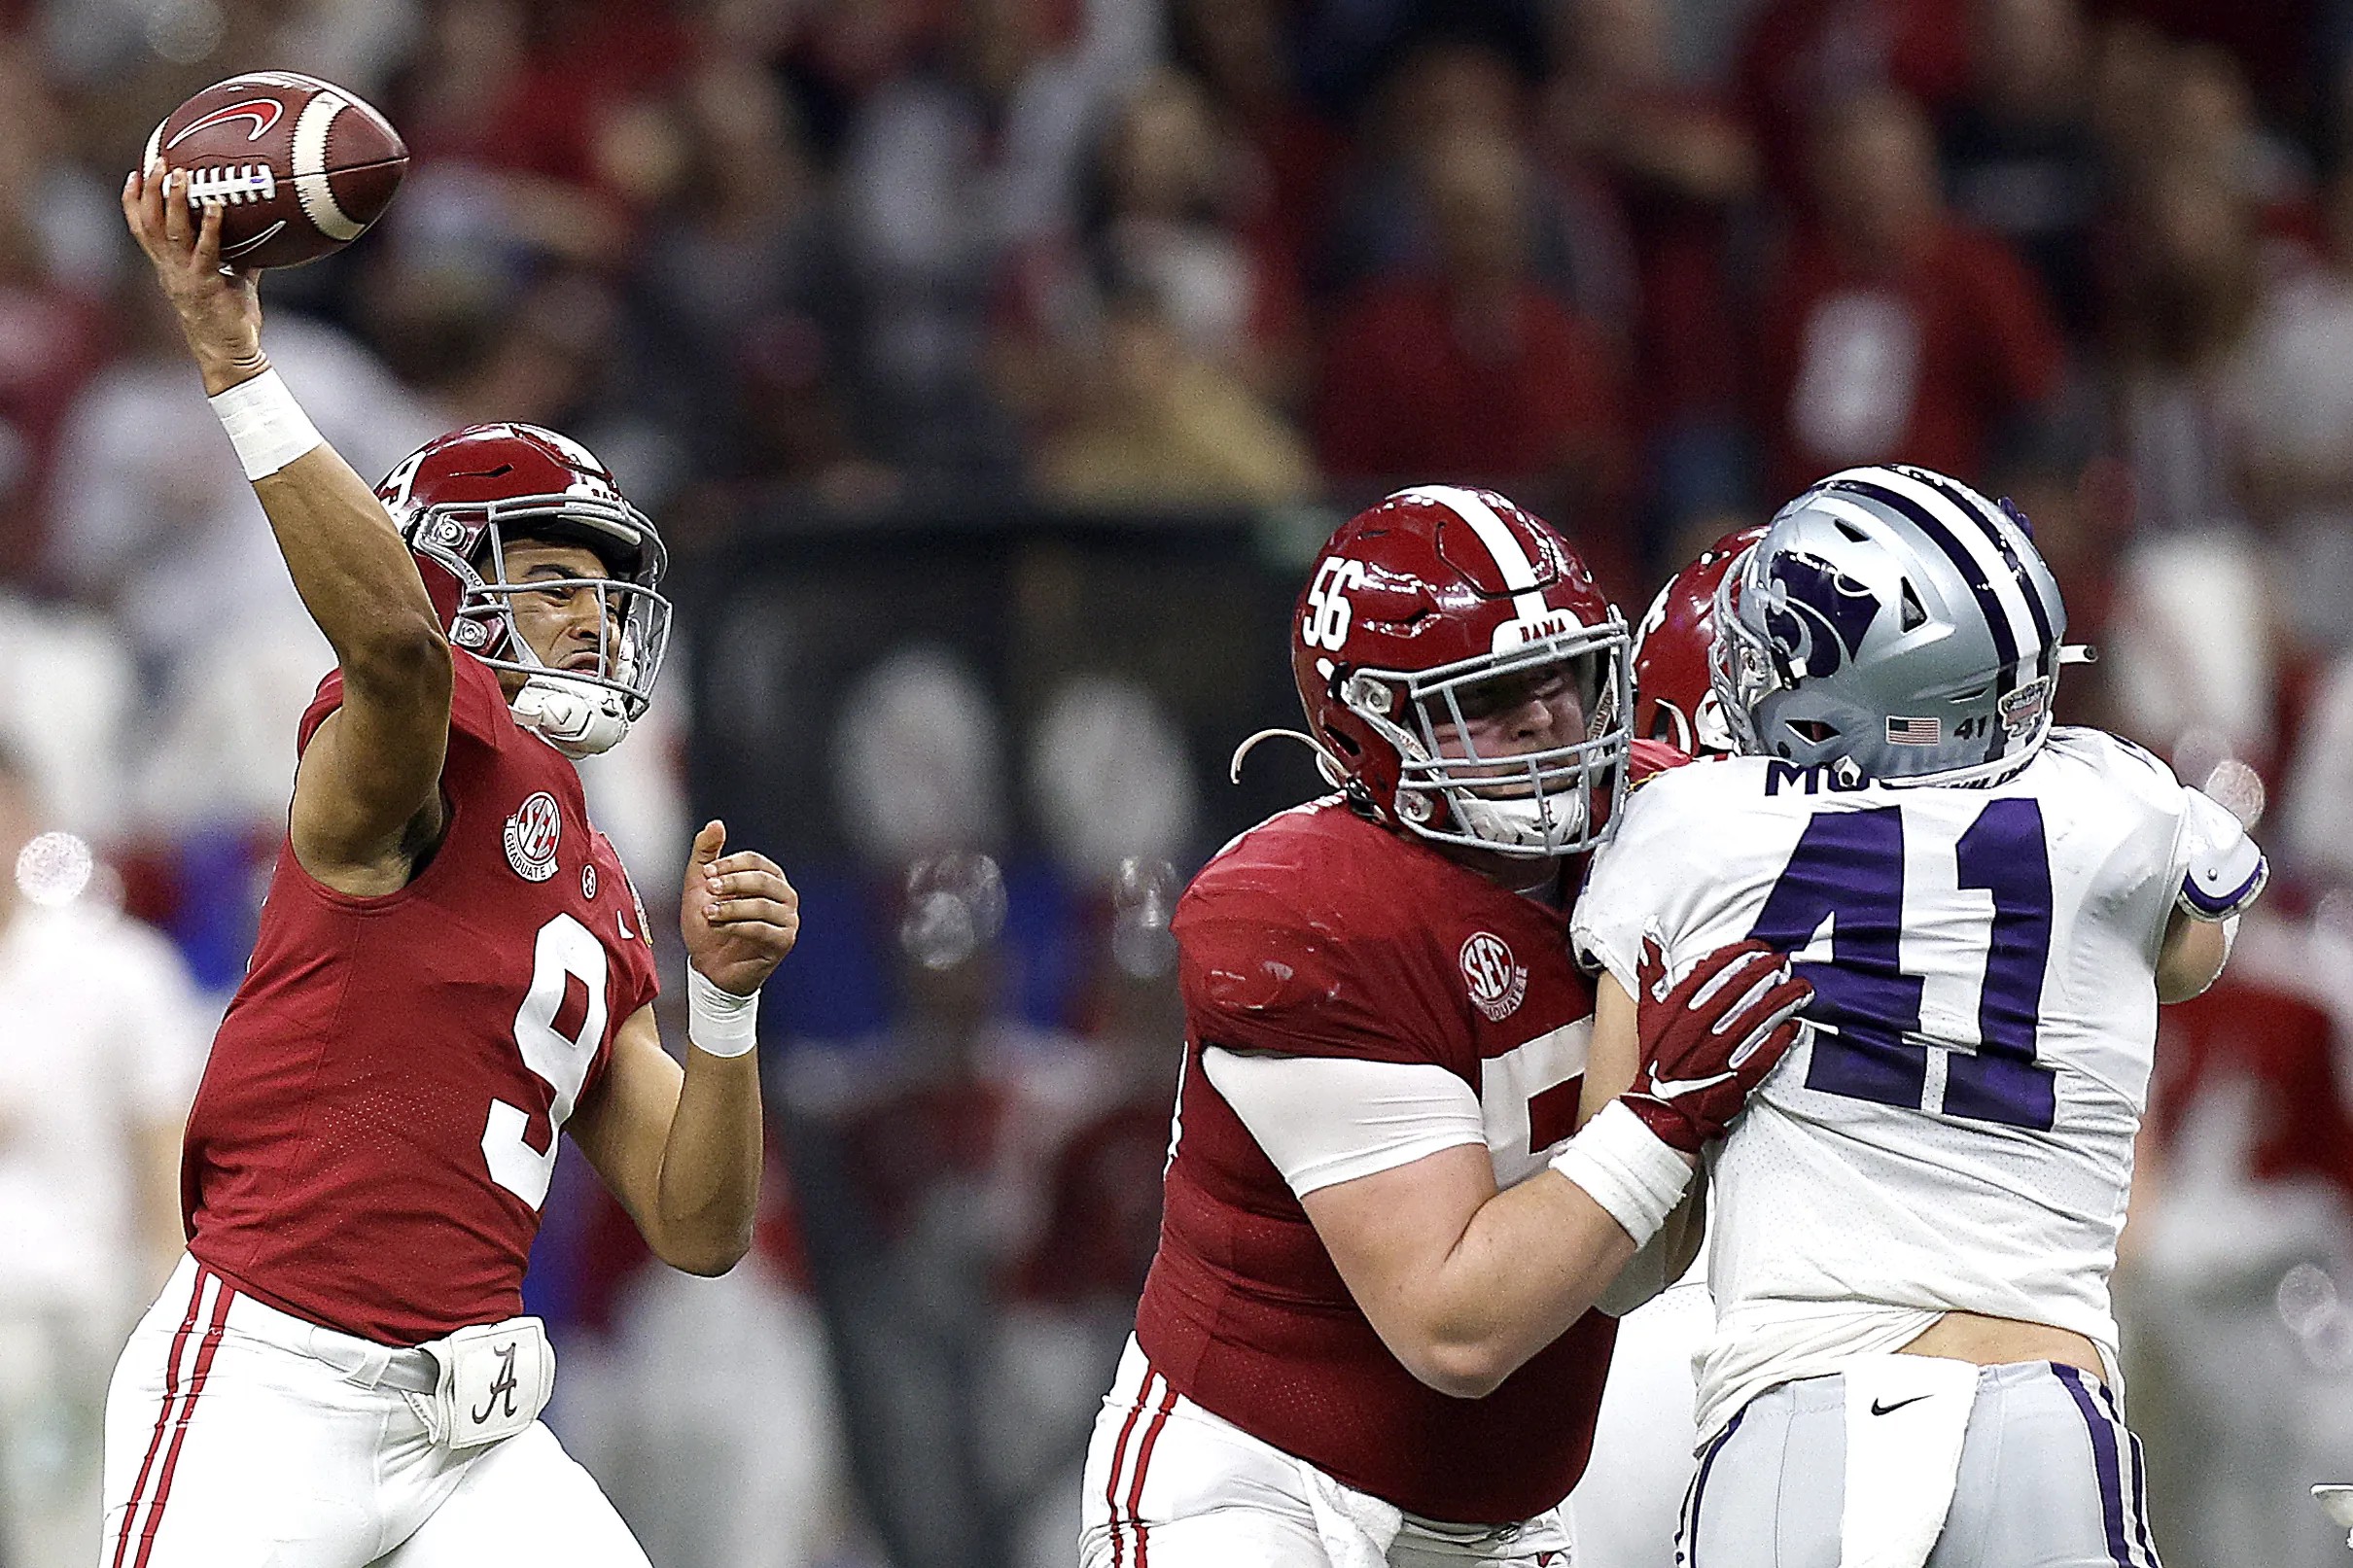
<point x="1319" y="933"/>
<point x="378" y="1123"/>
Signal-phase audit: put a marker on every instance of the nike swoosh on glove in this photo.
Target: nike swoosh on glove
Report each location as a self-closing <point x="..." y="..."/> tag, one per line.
<point x="1710" y="1039"/>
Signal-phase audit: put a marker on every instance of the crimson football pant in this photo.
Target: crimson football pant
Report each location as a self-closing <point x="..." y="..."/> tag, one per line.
<point x="2048" y="1478"/>
<point x="238" y="1437"/>
<point x="1171" y="1485"/>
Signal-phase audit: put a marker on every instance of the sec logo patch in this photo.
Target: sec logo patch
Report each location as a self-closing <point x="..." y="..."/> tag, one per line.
<point x="532" y="834"/>
<point x="1496" y="979"/>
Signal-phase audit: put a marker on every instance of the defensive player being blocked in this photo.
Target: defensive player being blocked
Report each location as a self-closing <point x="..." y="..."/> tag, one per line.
<point x="1367" y="1336"/>
<point x="1623" y="1513"/>
<point x="1913" y="1360"/>
<point x="452" y="969"/>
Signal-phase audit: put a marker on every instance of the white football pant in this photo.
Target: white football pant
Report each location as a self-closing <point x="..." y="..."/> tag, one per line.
<point x="1626" y="1505"/>
<point x="1171" y="1485"/>
<point x="238" y="1437"/>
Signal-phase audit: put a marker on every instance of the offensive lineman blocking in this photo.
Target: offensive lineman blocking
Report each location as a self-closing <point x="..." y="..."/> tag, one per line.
<point x="452" y="970"/>
<point x="1368" y="1337"/>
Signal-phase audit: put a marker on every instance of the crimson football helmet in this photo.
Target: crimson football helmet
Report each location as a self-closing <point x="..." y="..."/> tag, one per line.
<point x="1434" y="610"/>
<point x="461" y="499"/>
<point x="1675" y="697"/>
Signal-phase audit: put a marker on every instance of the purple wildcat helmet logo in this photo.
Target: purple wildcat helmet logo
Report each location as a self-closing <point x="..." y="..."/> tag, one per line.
<point x="1815" y="615"/>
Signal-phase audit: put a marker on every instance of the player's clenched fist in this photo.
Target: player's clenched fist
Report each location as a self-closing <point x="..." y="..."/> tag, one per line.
<point x="739" y="915"/>
<point x="1710" y="1039"/>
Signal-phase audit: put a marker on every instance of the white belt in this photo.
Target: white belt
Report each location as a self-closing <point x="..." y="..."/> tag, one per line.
<point x="411" y="1371"/>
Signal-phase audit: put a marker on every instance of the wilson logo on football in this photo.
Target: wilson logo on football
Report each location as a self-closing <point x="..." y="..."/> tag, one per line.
<point x="1497" y="981"/>
<point x="262" y="113"/>
<point x="531" y="833"/>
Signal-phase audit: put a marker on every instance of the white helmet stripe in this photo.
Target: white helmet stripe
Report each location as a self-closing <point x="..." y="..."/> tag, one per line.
<point x="1519" y="573"/>
<point x="2007" y="591"/>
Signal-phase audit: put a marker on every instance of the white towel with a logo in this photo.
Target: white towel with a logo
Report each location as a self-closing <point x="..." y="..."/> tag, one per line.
<point x="1905" y="1416"/>
<point x="1356" y="1528"/>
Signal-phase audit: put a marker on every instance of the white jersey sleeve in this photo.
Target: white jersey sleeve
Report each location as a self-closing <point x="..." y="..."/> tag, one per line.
<point x="1326" y="1120"/>
<point x="1954" y="1131"/>
<point x="2221" y="869"/>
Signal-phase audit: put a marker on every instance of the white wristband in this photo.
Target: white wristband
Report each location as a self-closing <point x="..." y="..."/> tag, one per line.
<point x="1626" y="1169"/>
<point x="264" y="424"/>
<point x="720" y="1022"/>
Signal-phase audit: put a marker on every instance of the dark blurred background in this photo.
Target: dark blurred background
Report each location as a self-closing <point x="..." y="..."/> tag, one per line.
<point x="994" y="368"/>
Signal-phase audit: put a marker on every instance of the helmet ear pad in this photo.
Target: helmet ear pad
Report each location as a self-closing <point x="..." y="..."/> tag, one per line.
<point x="1353" y="758"/>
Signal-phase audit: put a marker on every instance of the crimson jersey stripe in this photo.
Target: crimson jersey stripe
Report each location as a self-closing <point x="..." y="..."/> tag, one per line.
<point x="1119" y="1457"/>
<point x="171" y="1392"/>
<point x="1143" y="1460"/>
<point x="179" y="1435"/>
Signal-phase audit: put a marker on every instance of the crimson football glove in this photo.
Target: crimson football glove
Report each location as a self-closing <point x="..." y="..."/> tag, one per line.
<point x="1710" y="1039"/>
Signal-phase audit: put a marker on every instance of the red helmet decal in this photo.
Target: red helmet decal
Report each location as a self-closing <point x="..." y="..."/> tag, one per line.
<point x="1673" y="700"/>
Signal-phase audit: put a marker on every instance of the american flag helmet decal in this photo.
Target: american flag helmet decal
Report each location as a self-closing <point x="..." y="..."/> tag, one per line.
<point x="1915" y="731"/>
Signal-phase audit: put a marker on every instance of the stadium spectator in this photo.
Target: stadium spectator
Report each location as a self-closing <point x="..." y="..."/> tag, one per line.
<point x="1442" y="89"/>
<point x="51" y="329"/>
<point x="2182" y="302"/>
<point x="735" y="313"/>
<point x="101" y="1038"/>
<point x="1891" y="332"/>
<point x="918" y="1159"/>
<point x="1239" y="51"/>
<point x="1679" y="171"/>
<point x="1801" y="60"/>
<point x="1473" y="371"/>
<point x="946" y="173"/>
<point x="1148" y="347"/>
<point x="2297" y="381"/>
<point x="1162" y="424"/>
<point x="2021" y="156"/>
<point x="2240" y="1240"/>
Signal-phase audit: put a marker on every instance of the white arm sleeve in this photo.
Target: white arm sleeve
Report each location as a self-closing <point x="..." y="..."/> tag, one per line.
<point x="1326" y="1120"/>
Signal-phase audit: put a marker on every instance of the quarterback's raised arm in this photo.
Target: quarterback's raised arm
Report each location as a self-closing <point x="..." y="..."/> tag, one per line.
<point x="368" y="797"/>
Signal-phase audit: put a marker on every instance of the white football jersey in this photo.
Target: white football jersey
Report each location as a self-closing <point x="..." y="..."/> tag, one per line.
<point x="1955" y="1132"/>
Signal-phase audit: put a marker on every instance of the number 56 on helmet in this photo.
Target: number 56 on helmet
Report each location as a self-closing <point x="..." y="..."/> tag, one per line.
<point x="1427" y="620"/>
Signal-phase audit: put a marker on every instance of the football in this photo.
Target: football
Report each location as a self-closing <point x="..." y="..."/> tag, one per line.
<point x="300" y="166"/>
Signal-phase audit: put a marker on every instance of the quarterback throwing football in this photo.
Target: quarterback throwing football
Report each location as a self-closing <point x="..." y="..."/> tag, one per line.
<point x="452" y="969"/>
<point x="1367" y="1335"/>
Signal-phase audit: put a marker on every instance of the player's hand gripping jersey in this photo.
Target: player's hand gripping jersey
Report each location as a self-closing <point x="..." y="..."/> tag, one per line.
<point x="1319" y="933"/>
<point x="377" y="1125"/>
<point x="1956" y="1133"/>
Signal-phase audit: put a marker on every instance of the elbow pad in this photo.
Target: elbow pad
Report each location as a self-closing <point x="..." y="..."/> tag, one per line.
<point x="2225" y="871"/>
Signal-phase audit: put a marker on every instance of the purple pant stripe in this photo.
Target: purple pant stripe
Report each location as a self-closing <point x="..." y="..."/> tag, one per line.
<point x="1699" y="1488"/>
<point x="2140" y="1477"/>
<point x="2103" y="1459"/>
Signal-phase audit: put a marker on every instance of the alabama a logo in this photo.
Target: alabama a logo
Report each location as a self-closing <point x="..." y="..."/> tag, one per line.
<point x="531" y="833"/>
<point x="1497" y="981"/>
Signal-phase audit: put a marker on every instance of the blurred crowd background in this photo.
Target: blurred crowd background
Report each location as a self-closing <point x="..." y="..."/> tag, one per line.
<point x="993" y="366"/>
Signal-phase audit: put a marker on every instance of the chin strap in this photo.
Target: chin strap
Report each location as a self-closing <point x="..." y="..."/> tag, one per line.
<point x="576" y="719"/>
<point x="1519" y="826"/>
